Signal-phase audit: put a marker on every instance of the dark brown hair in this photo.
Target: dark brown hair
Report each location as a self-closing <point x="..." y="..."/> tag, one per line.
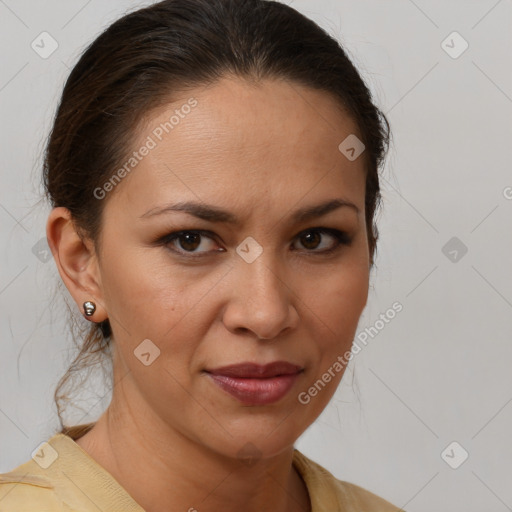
<point x="139" y="62"/>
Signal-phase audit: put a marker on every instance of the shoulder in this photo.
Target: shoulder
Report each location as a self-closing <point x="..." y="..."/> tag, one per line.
<point x="61" y="477"/>
<point x="364" y="499"/>
<point x="24" y="489"/>
<point x="330" y="494"/>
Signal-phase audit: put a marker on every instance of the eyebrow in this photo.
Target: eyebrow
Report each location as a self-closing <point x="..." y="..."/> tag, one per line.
<point x="215" y="214"/>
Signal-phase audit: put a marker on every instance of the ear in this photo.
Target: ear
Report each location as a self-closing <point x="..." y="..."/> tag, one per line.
<point x="76" y="262"/>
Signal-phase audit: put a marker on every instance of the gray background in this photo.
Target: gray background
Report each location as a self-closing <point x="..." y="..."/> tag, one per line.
<point x="439" y="372"/>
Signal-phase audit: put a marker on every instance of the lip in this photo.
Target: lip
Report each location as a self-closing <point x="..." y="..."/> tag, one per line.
<point x="250" y="370"/>
<point x="254" y="384"/>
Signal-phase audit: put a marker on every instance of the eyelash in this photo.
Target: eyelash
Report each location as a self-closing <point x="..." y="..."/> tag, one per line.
<point x="340" y="237"/>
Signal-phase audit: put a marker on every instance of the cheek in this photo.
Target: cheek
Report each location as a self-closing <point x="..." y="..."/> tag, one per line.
<point x="337" y="310"/>
<point x="336" y="313"/>
<point x="150" y="297"/>
<point x="341" y="297"/>
<point x="141" y="302"/>
<point x="139" y="282"/>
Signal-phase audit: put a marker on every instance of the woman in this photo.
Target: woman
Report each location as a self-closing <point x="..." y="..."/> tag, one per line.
<point x="213" y="172"/>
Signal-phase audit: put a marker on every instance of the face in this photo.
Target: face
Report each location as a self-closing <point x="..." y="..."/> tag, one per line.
<point x="242" y="276"/>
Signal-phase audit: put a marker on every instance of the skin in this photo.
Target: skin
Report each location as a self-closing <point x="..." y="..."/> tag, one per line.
<point x="262" y="152"/>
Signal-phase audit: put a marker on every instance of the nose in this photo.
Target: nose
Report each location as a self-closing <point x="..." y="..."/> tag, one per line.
<point x="261" y="300"/>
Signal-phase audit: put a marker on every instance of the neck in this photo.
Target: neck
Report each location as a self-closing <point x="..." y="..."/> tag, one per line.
<point x="158" y="465"/>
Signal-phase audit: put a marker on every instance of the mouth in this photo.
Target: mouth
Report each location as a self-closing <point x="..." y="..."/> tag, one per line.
<point x="254" y="384"/>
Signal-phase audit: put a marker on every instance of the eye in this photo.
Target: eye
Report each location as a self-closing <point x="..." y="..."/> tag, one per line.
<point x="188" y="241"/>
<point x="312" y="238"/>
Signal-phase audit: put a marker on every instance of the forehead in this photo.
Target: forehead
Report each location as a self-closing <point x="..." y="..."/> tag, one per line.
<point x="238" y="140"/>
<point x="234" y="114"/>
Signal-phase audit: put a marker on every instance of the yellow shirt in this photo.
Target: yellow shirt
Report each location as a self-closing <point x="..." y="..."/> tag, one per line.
<point x="62" y="477"/>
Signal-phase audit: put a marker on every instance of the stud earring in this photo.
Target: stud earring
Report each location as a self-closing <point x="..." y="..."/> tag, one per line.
<point x="89" y="308"/>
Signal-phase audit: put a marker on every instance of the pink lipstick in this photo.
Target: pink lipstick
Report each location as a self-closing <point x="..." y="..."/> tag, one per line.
<point x="254" y="384"/>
